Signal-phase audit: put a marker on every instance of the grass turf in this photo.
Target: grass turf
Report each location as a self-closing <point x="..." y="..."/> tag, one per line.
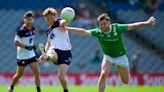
<point x="87" y="89"/>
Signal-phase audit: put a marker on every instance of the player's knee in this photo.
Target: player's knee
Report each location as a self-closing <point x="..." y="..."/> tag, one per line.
<point x="125" y="81"/>
<point x="104" y="72"/>
<point x="52" y="54"/>
<point x="37" y="74"/>
<point x="61" y="76"/>
<point x="19" y="74"/>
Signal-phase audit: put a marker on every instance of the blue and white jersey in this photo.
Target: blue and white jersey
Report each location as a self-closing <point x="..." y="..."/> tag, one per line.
<point x="25" y="37"/>
<point x="58" y="39"/>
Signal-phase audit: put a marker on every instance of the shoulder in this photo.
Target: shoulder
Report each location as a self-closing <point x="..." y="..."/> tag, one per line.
<point x="48" y="31"/>
<point x="95" y="31"/>
<point x="56" y="23"/>
<point x="115" y="24"/>
<point x="120" y="27"/>
<point x="118" y="24"/>
<point x="23" y="32"/>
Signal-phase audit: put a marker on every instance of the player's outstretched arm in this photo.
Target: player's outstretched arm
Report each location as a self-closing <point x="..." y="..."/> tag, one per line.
<point x="79" y="31"/>
<point x="149" y="22"/>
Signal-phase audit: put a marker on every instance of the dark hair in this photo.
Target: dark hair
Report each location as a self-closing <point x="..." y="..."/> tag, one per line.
<point x="103" y="16"/>
<point x="28" y="14"/>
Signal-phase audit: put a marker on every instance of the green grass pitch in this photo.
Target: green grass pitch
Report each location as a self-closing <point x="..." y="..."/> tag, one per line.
<point x="87" y="89"/>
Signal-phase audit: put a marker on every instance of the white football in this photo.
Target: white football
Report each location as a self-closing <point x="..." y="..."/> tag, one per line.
<point x="68" y="14"/>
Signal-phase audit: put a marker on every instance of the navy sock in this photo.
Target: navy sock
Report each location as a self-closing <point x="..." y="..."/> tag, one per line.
<point x="65" y="90"/>
<point x="12" y="87"/>
<point x="38" y="89"/>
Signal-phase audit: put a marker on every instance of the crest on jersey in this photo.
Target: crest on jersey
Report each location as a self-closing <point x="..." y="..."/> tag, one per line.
<point x="115" y="32"/>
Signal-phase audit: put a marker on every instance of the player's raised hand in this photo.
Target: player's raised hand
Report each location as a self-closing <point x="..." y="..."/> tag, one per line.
<point x="41" y="59"/>
<point x="151" y="21"/>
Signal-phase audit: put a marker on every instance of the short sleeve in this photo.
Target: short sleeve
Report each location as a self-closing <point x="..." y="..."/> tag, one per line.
<point x="17" y="38"/>
<point x="122" y="27"/>
<point x="20" y="33"/>
<point x="94" y="32"/>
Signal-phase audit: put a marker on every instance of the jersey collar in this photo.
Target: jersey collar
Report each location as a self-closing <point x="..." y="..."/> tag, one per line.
<point x="27" y="27"/>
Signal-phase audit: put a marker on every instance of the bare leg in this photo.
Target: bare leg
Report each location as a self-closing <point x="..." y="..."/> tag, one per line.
<point x="16" y="77"/>
<point x="35" y="69"/>
<point x="124" y="73"/>
<point x="62" y="71"/>
<point x="105" y="68"/>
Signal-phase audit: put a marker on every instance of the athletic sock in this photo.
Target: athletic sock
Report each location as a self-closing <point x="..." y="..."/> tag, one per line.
<point x="65" y="90"/>
<point x="38" y="89"/>
<point x="12" y="87"/>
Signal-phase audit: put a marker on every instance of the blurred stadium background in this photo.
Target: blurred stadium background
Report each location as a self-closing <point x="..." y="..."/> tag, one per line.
<point x="145" y="46"/>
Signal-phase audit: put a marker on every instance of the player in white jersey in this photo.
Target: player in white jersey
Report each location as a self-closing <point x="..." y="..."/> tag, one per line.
<point x="24" y="40"/>
<point x="58" y="46"/>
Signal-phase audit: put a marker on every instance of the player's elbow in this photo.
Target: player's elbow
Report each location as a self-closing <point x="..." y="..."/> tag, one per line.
<point x="16" y="43"/>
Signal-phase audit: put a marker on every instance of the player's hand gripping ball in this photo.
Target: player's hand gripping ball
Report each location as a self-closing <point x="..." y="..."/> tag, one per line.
<point x="68" y="14"/>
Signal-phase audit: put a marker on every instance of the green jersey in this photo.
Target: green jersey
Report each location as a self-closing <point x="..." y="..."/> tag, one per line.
<point x="111" y="42"/>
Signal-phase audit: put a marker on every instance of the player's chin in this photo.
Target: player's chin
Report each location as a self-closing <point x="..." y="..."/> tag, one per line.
<point x="103" y="28"/>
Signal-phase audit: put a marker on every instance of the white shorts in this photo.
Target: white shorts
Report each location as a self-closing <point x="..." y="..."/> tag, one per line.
<point x="122" y="60"/>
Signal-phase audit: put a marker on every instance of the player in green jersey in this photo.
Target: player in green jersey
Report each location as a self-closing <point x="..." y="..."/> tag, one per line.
<point x="110" y="39"/>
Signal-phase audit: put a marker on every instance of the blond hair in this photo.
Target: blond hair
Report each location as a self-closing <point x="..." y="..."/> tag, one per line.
<point x="49" y="10"/>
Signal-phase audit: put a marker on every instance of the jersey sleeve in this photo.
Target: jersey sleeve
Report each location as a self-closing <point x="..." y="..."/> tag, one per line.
<point x="17" y="38"/>
<point x="18" y="35"/>
<point x="94" y="32"/>
<point x="122" y="27"/>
